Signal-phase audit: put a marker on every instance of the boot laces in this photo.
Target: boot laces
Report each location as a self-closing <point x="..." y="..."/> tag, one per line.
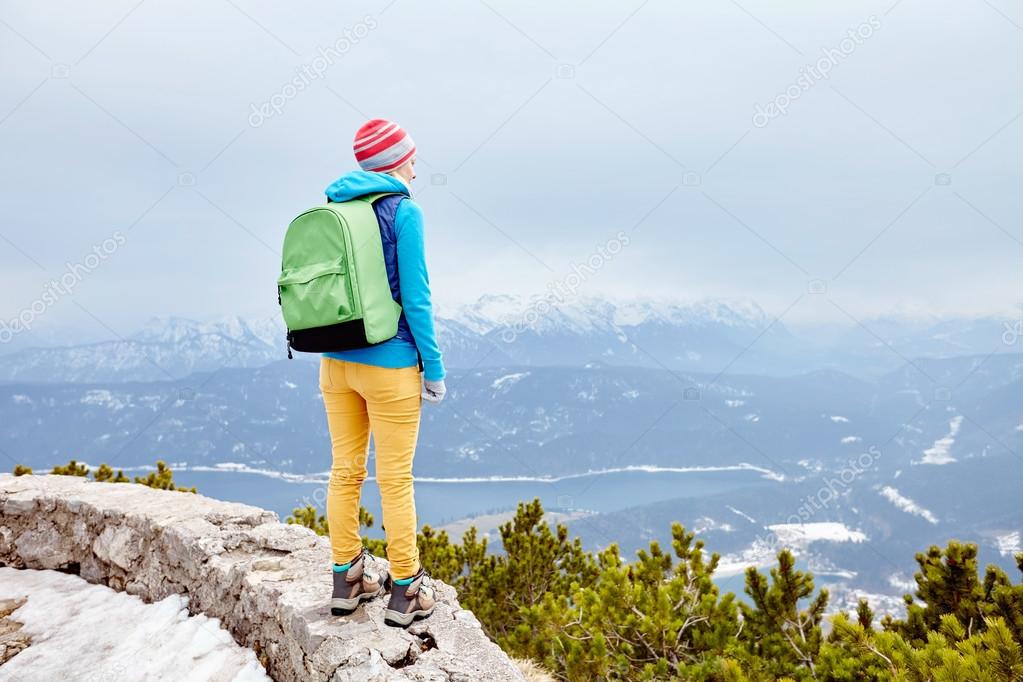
<point x="371" y="568"/>
<point x="427" y="584"/>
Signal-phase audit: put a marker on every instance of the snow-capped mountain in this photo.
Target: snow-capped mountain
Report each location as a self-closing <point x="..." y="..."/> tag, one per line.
<point x="878" y="339"/>
<point x="715" y="336"/>
<point x="179" y="329"/>
<point x="704" y="336"/>
<point x="584" y="315"/>
<point x="733" y="336"/>
<point x="165" y="349"/>
<point x="494" y="331"/>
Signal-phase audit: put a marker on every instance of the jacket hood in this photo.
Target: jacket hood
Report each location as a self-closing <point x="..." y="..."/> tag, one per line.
<point x="360" y="183"/>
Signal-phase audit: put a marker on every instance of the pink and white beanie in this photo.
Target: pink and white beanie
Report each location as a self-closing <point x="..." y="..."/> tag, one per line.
<point x="382" y="146"/>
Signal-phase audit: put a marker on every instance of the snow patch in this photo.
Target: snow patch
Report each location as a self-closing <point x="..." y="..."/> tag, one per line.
<point x="840" y="420"/>
<point x="705" y="524"/>
<point x="102" y="398"/>
<point x="845" y="599"/>
<point x="940" y="452"/>
<point x="1008" y="544"/>
<point x="851" y="439"/>
<point x="907" y="505"/>
<point x="508" y="380"/>
<point x="901" y="582"/>
<point x="105" y="631"/>
<point x="760" y="554"/>
<point x="742" y="514"/>
<point x="795" y="536"/>
<point x="802" y="534"/>
<point x="735" y="403"/>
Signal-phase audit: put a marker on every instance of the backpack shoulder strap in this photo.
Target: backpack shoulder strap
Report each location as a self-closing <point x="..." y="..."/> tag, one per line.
<point x="368" y="198"/>
<point x="371" y="198"/>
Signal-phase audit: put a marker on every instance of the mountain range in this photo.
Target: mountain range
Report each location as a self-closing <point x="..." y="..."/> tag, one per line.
<point x="627" y="416"/>
<point x="500" y="330"/>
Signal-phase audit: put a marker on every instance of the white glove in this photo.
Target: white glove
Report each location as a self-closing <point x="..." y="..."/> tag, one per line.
<point x="433" y="391"/>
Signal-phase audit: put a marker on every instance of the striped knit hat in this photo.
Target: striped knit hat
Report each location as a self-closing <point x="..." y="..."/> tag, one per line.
<point x="382" y="146"/>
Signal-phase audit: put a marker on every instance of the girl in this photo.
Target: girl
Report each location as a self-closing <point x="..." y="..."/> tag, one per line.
<point x="378" y="390"/>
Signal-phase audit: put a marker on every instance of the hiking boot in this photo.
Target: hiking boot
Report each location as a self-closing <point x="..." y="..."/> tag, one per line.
<point x="364" y="579"/>
<point x="411" y="602"/>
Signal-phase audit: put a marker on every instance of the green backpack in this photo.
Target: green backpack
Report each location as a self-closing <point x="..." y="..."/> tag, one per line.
<point x="333" y="289"/>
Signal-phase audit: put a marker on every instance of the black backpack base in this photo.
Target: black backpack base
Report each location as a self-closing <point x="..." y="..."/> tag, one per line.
<point x="329" y="339"/>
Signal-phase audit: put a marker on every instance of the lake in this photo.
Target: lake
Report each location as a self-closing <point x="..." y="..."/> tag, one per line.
<point x="439" y="502"/>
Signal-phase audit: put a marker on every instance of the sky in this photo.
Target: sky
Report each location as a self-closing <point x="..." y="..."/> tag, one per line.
<point x="865" y="152"/>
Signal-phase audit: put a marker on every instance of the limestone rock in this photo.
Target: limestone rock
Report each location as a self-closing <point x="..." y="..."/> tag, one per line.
<point x="268" y="582"/>
<point x="12" y="640"/>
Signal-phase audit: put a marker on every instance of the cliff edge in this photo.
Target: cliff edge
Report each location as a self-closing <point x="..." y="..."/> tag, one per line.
<point x="267" y="582"/>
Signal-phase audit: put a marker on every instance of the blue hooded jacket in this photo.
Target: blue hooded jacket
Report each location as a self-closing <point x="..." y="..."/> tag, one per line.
<point x="401" y="232"/>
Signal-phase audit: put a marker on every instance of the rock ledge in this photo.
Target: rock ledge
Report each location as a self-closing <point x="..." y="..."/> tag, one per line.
<point x="268" y="582"/>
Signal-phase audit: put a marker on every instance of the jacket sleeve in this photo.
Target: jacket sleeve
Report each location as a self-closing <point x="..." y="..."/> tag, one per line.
<point x="414" y="286"/>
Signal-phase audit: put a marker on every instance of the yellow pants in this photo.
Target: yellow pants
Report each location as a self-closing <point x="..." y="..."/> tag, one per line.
<point x="385" y="401"/>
